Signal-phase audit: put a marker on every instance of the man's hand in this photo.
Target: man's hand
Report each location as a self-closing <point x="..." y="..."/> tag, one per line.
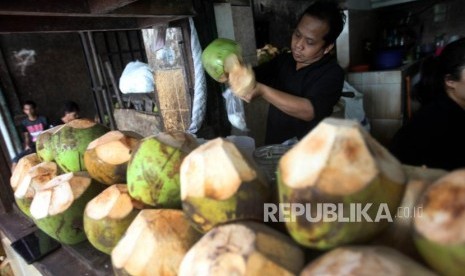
<point x="241" y="78"/>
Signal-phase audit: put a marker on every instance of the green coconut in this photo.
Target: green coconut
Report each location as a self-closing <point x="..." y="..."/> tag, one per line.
<point x="58" y="207"/>
<point x="153" y="171"/>
<point x="71" y="141"/>
<point x="44" y="146"/>
<point x="243" y="248"/>
<point x="338" y="165"/>
<point x="108" y="215"/>
<point x="365" y="260"/>
<point x="34" y="179"/>
<point x="106" y="158"/>
<point x="154" y="244"/>
<point x="439" y="234"/>
<point x="215" y="54"/>
<point x="219" y="184"/>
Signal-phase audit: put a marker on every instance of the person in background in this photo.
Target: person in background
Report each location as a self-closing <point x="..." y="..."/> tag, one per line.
<point x="31" y="127"/>
<point x="434" y="137"/>
<point x="303" y="86"/>
<point x="71" y="112"/>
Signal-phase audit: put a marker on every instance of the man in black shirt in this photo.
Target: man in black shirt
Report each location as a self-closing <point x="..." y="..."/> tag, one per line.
<point x="303" y="86"/>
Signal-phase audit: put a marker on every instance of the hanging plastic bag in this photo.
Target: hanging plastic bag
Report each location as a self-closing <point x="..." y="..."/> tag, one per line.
<point x="235" y="110"/>
<point x="137" y="77"/>
<point x="354" y="106"/>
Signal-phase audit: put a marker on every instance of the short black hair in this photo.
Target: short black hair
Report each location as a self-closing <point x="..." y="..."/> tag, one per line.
<point x="71" y="106"/>
<point x="31" y="103"/>
<point x="330" y="12"/>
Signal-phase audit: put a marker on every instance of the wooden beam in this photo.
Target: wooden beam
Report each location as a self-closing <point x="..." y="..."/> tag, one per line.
<point x="158" y="7"/>
<point x="31" y="24"/>
<point x="150" y="22"/>
<point x="97" y="8"/>
<point x="45" y="6"/>
<point x="105" y="6"/>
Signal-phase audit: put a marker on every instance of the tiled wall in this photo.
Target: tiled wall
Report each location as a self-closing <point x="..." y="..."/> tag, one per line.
<point x="382" y="101"/>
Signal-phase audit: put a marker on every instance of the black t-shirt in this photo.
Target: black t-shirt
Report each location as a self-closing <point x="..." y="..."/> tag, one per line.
<point x="320" y="82"/>
<point x="34" y="128"/>
<point x="433" y="137"/>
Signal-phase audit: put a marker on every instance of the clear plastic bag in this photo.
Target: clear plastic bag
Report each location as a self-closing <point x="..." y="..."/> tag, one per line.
<point x="235" y="110"/>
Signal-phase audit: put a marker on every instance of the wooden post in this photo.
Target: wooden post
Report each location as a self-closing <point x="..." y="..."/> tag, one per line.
<point x="171" y="87"/>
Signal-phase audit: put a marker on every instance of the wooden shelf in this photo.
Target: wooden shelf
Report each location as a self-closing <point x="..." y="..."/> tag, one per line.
<point x="81" y="259"/>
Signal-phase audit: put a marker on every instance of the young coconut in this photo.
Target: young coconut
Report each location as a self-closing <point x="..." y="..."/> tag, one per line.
<point x="243" y="248"/>
<point x="399" y="234"/>
<point x="107" y="157"/>
<point x="440" y="237"/>
<point x="44" y="146"/>
<point x="33" y="180"/>
<point x="365" y="260"/>
<point x="218" y="184"/>
<point x="108" y="215"/>
<point x="153" y="171"/>
<point x="22" y="168"/>
<point x="71" y="140"/>
<point x="58" y="206"/>
<point x="338" y="163"/>
<point x="214" y="55"/>
<point x="154" y="244"/>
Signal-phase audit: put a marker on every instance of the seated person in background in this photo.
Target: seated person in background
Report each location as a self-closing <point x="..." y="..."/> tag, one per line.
<point x="71" y="112"/>
<point x="31" y="127"/>
<point x="434" y="136"/>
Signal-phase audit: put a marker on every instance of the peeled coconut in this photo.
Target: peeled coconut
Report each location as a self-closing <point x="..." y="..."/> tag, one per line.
<point x="365" y="260"/>
<point x="58" y="206"/>
<point x="399" y="234"/>
<point x="440" y="235"/>
<point x="44" y="146"/>
<point x="154" y="244"/>
<point x="241" y="77"/>
<point x="219" y="184"/>
<point x="22" y="168"/>
<point x="339" y="165"/>
<point x="108" y="215"/>
<point x="153" y="171"/>
<point x="107" y="157"/>
<point x="245" y="248"/>
<point x="71" y="140"/>
<point x="214" y="55"/>
<point x="34" y="179"/>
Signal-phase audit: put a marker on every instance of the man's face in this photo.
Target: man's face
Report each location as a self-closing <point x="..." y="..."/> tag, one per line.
<point x="308" y="45"/>
<point x="29" y="110"/>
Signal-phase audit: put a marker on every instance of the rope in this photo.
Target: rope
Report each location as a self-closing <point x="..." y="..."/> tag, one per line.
<point x="200" y="86"/>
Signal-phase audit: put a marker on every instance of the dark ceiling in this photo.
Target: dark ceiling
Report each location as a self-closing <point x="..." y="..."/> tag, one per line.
<point x="19" y="16"/>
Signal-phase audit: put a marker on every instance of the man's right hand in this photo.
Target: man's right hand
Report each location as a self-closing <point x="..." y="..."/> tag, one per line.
<point x="241" y="78"/>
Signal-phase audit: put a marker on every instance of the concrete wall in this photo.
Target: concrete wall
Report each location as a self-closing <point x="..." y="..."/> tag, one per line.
<point x="48" y="69"/>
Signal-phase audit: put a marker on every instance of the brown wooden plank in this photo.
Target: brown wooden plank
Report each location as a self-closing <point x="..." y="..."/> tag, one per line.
<point x="33" y="24"/>
<point x="44" y="6"/>
<point x="80" y="259"/>
<point x="107" y="8"/>
<point x="157" y="7"/>
<point x="15" y="24"/>
<point x="104" y="6"/>
<point x="174" y="99"/>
